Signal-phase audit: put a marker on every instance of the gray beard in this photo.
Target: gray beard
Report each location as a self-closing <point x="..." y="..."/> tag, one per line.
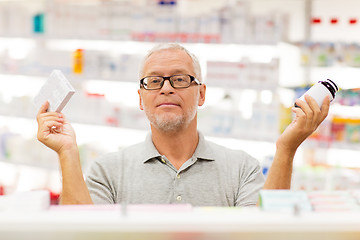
<point x="176" y="123"/>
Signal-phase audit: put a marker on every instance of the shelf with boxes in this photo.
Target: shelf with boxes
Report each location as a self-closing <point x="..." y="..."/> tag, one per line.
<point x="331" y="152"/>
<point x="147" y="20"/>
<point x="338" y="61"/>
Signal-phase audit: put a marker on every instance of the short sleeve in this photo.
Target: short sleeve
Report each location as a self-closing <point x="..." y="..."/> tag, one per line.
<point x="252" y="181"/>
<point x="100" y="182"/>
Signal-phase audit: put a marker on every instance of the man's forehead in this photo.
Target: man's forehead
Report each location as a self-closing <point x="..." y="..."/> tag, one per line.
<point x="176" y="59"/>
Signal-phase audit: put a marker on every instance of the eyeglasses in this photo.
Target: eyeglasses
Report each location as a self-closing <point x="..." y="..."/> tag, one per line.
<point x="176" y="81"/>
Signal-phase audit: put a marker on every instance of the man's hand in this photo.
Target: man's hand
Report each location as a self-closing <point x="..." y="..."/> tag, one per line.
<point x="54" y="131"/>
<point x="308" y="116"/>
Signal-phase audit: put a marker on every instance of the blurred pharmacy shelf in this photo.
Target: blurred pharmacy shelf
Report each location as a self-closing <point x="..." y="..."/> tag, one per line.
<point x="254" y="56"/>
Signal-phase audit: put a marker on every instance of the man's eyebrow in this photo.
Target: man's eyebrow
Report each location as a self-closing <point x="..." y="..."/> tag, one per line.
<point x="153" y="74"/>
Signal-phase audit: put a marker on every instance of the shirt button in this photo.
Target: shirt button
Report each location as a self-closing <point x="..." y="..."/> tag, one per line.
<point x="178" y="176"/>
<point x="178" y="198"/>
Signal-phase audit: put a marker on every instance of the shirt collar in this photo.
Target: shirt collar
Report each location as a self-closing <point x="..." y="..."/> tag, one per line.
<point x="150" y="150"/>
<point x="203" y="150"/>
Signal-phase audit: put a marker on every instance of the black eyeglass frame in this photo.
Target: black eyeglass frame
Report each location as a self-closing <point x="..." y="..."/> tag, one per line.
<point x="192" y="79"/>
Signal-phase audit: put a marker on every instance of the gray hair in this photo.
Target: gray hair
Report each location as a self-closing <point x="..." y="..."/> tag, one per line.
<point x="166" y="46"/>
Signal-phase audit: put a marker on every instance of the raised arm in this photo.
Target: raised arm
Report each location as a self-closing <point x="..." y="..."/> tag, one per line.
<point x="307" y="118"/>
<point x="55" y="132"/>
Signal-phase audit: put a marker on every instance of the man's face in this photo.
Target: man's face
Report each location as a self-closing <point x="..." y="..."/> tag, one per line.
<point x="170" y="109"/>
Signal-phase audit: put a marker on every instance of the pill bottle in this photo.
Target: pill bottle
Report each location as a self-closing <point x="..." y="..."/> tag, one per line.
<point x="320" y="90"/>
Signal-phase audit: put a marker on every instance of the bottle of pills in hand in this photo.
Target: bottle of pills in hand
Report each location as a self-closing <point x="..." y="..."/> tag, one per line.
<point x="320" y="90"/>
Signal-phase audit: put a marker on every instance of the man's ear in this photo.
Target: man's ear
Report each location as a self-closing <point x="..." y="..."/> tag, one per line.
<point x="140" y="101"/>
<point x="202" y="94"/>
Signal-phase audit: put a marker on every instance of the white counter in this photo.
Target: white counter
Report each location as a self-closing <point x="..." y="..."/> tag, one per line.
<point x="181" y="222"/>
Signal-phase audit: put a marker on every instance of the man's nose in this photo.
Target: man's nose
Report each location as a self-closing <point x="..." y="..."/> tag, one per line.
<point x="167" y="88"/>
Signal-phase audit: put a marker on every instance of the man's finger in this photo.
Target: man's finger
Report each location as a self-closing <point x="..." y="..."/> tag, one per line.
<point x="44" y="108"/>
<point x="312" y="103"/>
<point x="303" y="105"/>
<point x="325" y="108"/>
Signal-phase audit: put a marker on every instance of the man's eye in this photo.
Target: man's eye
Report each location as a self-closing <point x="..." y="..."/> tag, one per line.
<point x="154" y="81"/>
<point x="179" y="79"/>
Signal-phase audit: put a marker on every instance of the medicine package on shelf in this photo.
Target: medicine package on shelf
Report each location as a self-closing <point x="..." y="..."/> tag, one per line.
<point x="57" y="90"/>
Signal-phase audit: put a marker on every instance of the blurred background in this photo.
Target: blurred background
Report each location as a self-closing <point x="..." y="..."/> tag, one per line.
<point x="257" y="57"/>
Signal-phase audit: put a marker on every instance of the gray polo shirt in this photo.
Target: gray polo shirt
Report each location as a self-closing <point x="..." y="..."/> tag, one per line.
<point x="213" y="176"/>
